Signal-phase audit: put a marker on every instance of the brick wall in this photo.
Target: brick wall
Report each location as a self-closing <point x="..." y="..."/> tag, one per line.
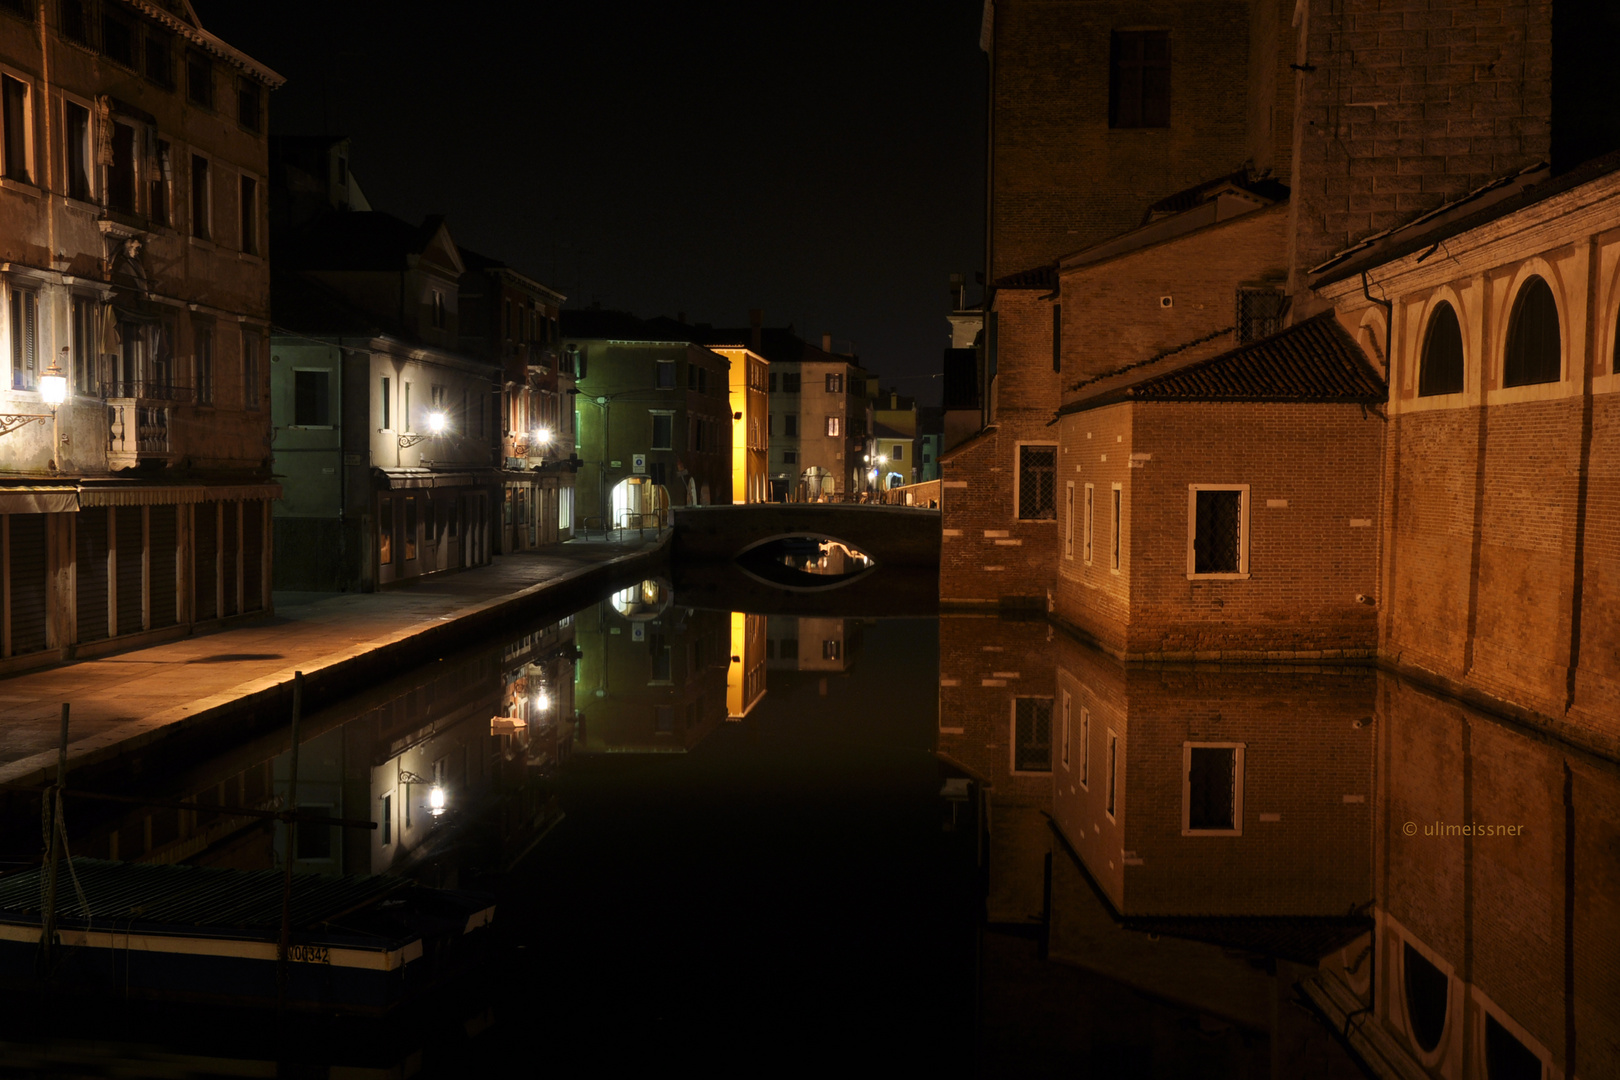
<point x="1113" y="311"/>
<point x="1312" y="472"/>
<point x="1406" y="104"/>
<point x="1061" y="177"/>
<point x="988" y="553"/>
<point x="1307" y="768"/>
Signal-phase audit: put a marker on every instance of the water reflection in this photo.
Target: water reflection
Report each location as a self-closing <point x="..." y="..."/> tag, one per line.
<point x="805" y="562"/>
<point x="1063" y="861"/>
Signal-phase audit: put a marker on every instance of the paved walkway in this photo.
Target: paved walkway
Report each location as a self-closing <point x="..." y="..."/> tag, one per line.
<point x="129" y="694"/>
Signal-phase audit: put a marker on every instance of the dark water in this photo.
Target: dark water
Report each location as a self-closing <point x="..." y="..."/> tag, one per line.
<point x="749" y="843"/>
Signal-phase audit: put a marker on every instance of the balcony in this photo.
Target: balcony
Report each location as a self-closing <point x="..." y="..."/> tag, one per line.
<point x="137" y="430"/>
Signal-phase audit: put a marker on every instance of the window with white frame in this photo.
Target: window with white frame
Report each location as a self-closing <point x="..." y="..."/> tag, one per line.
<point x="1088" y="531"/>
<point x="663" y="430"/>
<point x="1068" y="520"/>
<point x="16" y="129"/>
<point x="1064" y="727"/>
<point x="1037" y="482"/>
<point x="1032" y="735"/>
<point x="24" y="339"/>
<point x="1112" y="794"/>
<point x="1211" y="789"/>
<point x="1117" y="543"/>
<point x="1085" y="746"/>
<point x="1217" y="530"/>
<point x="835" y="383"/>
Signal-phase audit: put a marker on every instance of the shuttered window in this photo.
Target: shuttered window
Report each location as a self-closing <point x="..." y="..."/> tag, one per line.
<point x="229" y="549"/>
<point x="253" y="555"/>
<point x="130" y="561"/>
<point x="207" y="560"/>
<point x="28" y="583"/>
<point x="91" y="552"/>
<point x="161" y="537"/>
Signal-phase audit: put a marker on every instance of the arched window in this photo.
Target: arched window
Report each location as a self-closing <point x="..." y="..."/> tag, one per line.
<point x="1428" y="993"/>
<point x="1442" y="371"/>
<point x="1534" y="352"/>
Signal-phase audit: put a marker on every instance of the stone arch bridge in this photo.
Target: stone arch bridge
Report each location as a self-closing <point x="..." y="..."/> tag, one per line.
<point x="894" y="536"/>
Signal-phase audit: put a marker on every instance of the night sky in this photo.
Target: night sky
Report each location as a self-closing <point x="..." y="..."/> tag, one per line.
<point x="821" y="161"/>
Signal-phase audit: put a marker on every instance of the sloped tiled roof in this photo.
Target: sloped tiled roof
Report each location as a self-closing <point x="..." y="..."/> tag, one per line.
<point x="308" y="307"/>
<point x="1040" y="277"/>
<point x="1311" y="361"/>
<point x="1263" y="187"/>
<point x="356" y="240"/>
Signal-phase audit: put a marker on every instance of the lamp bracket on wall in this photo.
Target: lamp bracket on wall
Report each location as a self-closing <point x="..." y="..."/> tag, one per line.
<point x="412" y="439"/>
<point x="10" y="422"/>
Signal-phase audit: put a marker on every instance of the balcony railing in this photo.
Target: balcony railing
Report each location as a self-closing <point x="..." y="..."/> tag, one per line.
<point x="146" y="390"/>
<point x="135" y="431"/>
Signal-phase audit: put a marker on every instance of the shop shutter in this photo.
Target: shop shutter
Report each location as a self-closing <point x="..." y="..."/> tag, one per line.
<point x="253" y="555"/>
<point x="229" y="544"/>
<point x="90" y="566"/>
<point x="28" y="584"/>
<point x="131" y="562"/>
<point x="206" y="543"/>
<point x="161" y="536"/>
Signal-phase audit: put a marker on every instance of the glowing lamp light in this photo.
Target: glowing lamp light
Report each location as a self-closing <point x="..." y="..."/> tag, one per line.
<point x="53" y="385"/>
<point x="436" y="800"/>
<point x="542" y="701"/>
<point x="540" y="435"/>
<point x="436" y="422"/>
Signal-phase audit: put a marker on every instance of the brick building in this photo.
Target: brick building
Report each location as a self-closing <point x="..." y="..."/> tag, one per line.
<point x="135" y="293"/>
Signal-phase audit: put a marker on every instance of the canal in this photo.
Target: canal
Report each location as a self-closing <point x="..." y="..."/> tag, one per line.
<point x="753" y="842"/>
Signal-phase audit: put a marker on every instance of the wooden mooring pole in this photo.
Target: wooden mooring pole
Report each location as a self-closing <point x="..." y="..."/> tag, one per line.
<point x="53" y="832"/>
<point x="291" y="849"/>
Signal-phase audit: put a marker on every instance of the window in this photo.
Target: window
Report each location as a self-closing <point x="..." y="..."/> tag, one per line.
<point x="386" y="398"/>
<point x="77" y="151"/>
<point x="831" y="650"/>
<point x="385" y="820"/>
<point x="1118" y="528"/>
<point x="790" y="457"/>
<point x="1085" y="746"/>
<point x="247" y="103"/>
<point x="771" y="383"/>
<point x="315" y="841"/>
<point x="1139" y="79"/>
<point x="834" y="426"/>
<point x="157" y="207"/>
<point x="1068" y="520"/>
<point x="1037" y="483"/>
<point x="201" y="203"/>
<point x="899" y="452"/>
<point x="1534" y="350"/>
<point x="203" y="345"/>
<point x="84" y="345"/>
<point x="410" y="527"/>
<point x="385" y="531"/>
<point x="311" y="398"/>
<point x="117" y="38"/>
<point x="1442" y="365"/>
<point x="1212" y="789"/>
<point x="1088" y="532"/>
<point x="835" y="384"/>
<point x="1428" y="998"/>
<point x="1506" y="1058"/>
<point x="1057" y="337"/>
<point x="250" y="215"/>
<point x="790" y="384"/>
<point x="1113" y="775"/>
<point x="250" y="371"/>
<point x="76" y="22"/>
<point x="200" y="80"/>
<point x="24" y="339"/>
<point x="17" y="136"/>
<point x="1032" y="735"/>
<point x="663" y="429"/>
<point x="1217" y="530"/>
<point x="406" y="419"/>
<point x="121" y="171"/>
<point x="790" y="424"/>
<point x="159" y="67"/>
<point x="666" y="374"/>
<point x="436" y="300"/>
<point x="1066" y="704"/>
<point x="1260" y="313"/>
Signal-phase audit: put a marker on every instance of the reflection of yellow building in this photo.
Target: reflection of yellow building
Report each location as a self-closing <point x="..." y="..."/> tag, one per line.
<point x="750" y="424"/>
<point x="745" y="677"/>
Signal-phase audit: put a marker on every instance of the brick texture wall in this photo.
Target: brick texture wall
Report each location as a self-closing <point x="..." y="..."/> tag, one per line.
<point x="1061" y="177"/>
<point x="988" y="552"/>
<point x="1307" y="768"/>
<point x="1312" y="472"/>
<point x="1405" y="104"/>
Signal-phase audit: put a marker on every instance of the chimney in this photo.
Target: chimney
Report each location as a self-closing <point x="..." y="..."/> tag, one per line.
<point x="756" y="324"/>
<point x="826" y="343"/>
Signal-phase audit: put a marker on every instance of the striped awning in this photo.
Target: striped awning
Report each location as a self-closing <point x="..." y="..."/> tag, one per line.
<point x="38" y="500"/>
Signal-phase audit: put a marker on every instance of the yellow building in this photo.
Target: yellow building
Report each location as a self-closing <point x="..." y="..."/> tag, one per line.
<point x="750" y="424"/>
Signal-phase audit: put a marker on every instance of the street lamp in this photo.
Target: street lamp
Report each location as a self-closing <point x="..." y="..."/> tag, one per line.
<point x="53" y="388"/>
<point x="436" y="427"/>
